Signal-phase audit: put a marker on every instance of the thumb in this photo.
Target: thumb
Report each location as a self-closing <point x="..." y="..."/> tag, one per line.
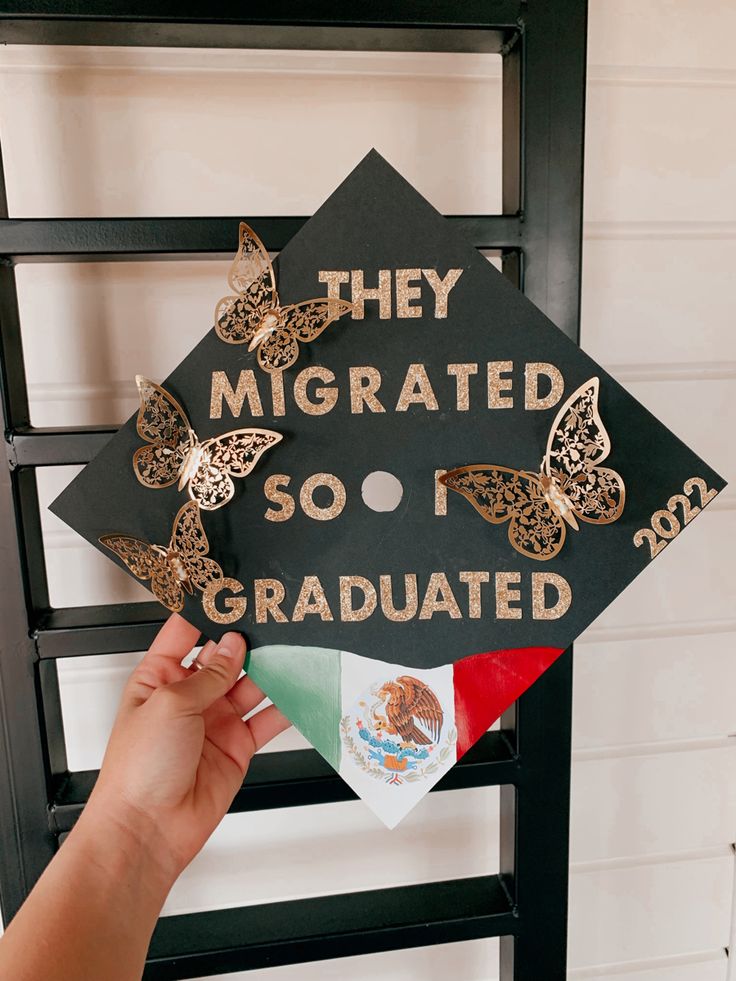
<point x="218" y="675"/>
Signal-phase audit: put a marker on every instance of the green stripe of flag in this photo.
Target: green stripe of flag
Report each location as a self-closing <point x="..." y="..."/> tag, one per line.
<point x="304" y="682"/>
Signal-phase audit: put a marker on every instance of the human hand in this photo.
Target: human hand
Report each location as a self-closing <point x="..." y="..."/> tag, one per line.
<point x="179" y="748"/>
<point x="177" y="754"/>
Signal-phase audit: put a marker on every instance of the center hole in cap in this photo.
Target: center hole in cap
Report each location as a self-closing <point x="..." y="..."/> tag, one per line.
<point x="382" y="491"/>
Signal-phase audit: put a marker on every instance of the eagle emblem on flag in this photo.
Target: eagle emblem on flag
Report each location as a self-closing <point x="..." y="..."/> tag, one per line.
<point x="398" y="735"/>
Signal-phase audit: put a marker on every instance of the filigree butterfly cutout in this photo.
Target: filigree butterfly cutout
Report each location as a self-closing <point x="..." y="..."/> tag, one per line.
<point x="255" y="316"/>
<point x="182" y="565"/>
<point x="570" y="484"/>
<point x="176" y="455"/>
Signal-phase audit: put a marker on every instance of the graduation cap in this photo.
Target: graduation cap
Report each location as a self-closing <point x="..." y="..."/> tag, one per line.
<point x="392" y="472"/>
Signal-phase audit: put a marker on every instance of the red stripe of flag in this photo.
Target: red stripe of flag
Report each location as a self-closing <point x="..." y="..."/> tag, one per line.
<point x="486" y="684"/>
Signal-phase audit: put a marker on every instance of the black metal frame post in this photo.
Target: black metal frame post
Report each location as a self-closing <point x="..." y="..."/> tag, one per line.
<point x="543" y="45"/>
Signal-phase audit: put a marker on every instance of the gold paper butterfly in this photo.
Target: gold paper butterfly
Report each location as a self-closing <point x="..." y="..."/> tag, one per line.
<point x="182" y="565"/>
<point x="177" y="455"/>
<point x="570" y="485"/>
<point x="255" y="316"/>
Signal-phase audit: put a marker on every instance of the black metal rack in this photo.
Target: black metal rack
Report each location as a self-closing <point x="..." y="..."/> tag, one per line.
<point x="543" y="44"/>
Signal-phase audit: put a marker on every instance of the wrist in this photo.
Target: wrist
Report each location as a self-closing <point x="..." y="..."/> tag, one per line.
<point x="124" y="841"/>
<point x="98" y="901"/>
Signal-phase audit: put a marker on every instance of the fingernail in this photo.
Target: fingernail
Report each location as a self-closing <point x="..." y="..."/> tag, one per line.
<point x="205" y="655"/>
<point x="231" y="645"/>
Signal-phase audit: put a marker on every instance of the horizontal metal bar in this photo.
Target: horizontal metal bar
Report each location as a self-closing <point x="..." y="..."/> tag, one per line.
<point x="109" y="239"/>
<point x="107" y="629"/>
<point x="55" y="239"/>
<point x="444" y="25"/>
<point x="412" y="13"/>
<point x="252" y="937"/>
<point x="302" y="777"/>
<point x="52" y="447"/>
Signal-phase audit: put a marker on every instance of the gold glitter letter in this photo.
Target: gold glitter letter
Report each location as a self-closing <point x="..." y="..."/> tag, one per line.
<point x="382" y="293"/>
<point x="338" y="496"/>
<point x="333" y="278"/>
<point x="474" y="580"/>
<point x="269" y="594"/>
<point x="387" y="599"/>
<point x="277" y="393"/>
<point x="347" y="612"/>
<point x="236" y="606"/>
<point x="416" y="378"/>
<point x="404" y="292"/>
<point x="364" y="383"/>
<point x="498" y="385"/>
<point x="436" y="587"/>
<point x="504" y="596"/>
<point x="531" y="385"/>
<point x="327" y="396"/>
<point x="222" y="389"/>
<point x="441" y="289"/>
<point x="462" y="373"/>
<point x="276" y="496"/>
<point x="440" y="494"/>
<point x="564" y="596"/>
<point x="312" y="599"/>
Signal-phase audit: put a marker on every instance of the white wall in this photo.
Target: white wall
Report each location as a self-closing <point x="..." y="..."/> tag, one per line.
<point x="157" y="132"/>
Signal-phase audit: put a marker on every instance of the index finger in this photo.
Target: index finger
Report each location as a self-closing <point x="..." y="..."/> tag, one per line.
<point x="161" y="664"/>
<point x="175" y="639"/>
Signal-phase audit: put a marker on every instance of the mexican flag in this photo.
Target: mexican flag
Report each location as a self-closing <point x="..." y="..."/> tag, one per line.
<point x="391" y="731"/>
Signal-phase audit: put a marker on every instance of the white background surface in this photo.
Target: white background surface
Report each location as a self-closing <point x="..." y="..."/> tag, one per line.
<point x="165" y="132"/>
